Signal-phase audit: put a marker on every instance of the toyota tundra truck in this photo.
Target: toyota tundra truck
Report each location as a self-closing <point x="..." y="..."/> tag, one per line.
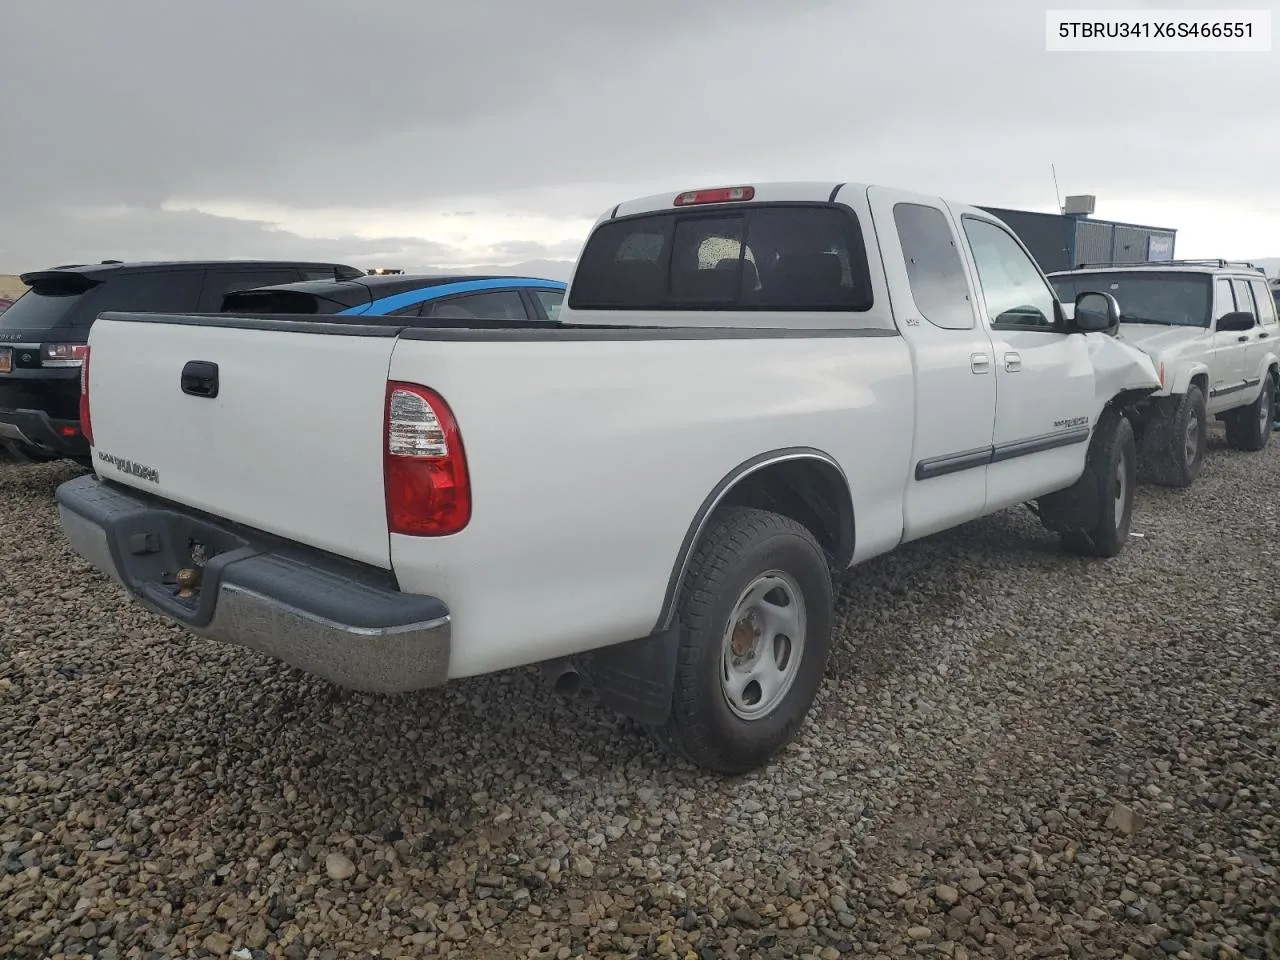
<point x="748" y="391"/>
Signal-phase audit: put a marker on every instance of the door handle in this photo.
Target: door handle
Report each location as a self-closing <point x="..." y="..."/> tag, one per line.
<point x="1242" y="339"/>
<point x="1012" y="363"/>
<point x="200" y="378"/>
<point x="979" y="362"/>
<point x="1263" y="335"/>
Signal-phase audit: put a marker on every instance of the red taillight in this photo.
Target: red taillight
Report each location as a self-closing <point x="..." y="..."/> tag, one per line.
<point x="85" y="427"/>
<point x="722" y="195"/>
<point x="63" y="354"/>
<point x="424" y="468"/>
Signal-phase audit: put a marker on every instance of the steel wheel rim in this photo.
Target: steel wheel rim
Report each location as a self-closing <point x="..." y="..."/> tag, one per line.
<point x="763" y="645"/>
<point x="1192" y="440"/>
<point x="1265" y="419"/>
<point x="1122" y="487"/>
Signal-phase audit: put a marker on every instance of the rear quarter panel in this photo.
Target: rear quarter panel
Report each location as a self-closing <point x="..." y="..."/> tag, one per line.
<point x="590" y="459"/>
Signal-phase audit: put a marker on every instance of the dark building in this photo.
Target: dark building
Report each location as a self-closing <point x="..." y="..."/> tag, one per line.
<point x="1062" y="241"/>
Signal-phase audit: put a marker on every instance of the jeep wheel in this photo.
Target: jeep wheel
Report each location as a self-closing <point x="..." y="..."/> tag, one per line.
<point x="1249" y="428"/>
<point x="1182" y="441"/>
<point x="755" y="619"/>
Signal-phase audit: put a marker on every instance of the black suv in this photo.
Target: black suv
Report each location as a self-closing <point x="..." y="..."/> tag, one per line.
<point x="43" y="335"/>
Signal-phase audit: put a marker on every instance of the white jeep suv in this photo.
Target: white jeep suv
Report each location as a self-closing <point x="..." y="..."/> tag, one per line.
<point x="1211" y="329"/>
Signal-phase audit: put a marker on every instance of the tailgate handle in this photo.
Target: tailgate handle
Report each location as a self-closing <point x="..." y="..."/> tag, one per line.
<point x="200" y="378"/>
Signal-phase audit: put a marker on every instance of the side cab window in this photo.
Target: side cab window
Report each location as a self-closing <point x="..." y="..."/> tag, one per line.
<point x="1016" y="293"/>
<point x="935" y="271"/>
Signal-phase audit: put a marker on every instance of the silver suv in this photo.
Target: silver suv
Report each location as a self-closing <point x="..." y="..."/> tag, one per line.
<point x="1211" y="329"/>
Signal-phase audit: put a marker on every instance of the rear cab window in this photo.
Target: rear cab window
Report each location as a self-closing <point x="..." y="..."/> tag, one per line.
<point x="771" y="257"/>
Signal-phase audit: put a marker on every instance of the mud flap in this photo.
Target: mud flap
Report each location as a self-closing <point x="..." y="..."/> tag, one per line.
<point x="637" y="678"/>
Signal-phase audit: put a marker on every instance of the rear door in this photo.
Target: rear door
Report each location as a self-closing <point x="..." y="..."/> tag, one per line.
<point x="955" y="383"/>
<point x="1230" y="350"/>
<point x="1266" y="313"/>
<point x="1045" y="393"/>
<point x="291" y="443"/>
<point x="1263" y="336"/>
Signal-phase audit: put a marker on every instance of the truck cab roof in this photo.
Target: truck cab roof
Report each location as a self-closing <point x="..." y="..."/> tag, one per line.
<point x="778" y="191"/>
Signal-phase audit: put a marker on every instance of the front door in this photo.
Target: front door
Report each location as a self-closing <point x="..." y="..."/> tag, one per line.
<point x="1044" y="376"/>
<point x="955" y="390"/>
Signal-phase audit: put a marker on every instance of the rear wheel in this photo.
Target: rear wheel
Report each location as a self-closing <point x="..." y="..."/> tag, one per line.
<point x="755" y="620"/>
<point x="1249" y="428"/>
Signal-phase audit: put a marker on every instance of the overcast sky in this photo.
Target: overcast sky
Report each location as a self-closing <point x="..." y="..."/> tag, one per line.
<point x="438" y="134"/>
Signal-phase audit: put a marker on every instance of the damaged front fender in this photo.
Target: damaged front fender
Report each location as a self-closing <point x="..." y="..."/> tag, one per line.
<point x="1120" y="370"/>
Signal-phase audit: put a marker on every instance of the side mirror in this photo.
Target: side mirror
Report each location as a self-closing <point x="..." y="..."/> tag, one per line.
<point x="1096" y="313"/>
<point x="1236" y="322"/>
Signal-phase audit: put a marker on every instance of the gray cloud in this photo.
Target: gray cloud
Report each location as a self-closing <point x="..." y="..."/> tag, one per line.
<point x="562" y="108"/>
<point x="146" y="234"/>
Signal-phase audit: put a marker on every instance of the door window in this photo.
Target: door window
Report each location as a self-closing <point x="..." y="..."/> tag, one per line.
<point x="224" y="283"/>
<point x="1244" y="299"/>
<point x="1266" y="304"/>
<point x="1017" y="295"/>
<point x="165" y="291"/>
<point x="493" y="305"/>
<point x="1224" y="300"/>
<point x="550" y="301"/>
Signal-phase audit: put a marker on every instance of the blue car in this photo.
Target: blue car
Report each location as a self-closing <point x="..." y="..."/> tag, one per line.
<point x="396" y="295"/>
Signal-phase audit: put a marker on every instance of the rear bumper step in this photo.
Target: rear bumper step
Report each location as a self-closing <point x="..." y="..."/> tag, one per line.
<point x="338" y="620"/>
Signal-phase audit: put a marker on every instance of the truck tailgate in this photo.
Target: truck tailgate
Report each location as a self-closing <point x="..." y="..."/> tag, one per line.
<point x="291" y="444"/>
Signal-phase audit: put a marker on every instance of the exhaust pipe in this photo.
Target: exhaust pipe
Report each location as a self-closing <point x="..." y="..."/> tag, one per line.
<point x="563" y="677"/>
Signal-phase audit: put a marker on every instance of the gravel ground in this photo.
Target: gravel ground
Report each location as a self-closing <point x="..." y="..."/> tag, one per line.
<point x="1018" y="753"/>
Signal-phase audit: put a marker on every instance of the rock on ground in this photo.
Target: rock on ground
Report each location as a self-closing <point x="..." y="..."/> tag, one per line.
<point x="991" y="704"/>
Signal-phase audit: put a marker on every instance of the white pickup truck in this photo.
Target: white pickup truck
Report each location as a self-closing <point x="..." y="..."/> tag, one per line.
<point x="748" y="390"/>
<point x="1211" y="329"/>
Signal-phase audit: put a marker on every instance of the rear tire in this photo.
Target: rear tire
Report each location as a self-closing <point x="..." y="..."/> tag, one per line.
<point x="755" y="618"/>
<point x="1249" y="428"/>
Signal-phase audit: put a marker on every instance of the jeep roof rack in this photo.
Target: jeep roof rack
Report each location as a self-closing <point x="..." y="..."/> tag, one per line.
<point x="1169" y="263"/>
